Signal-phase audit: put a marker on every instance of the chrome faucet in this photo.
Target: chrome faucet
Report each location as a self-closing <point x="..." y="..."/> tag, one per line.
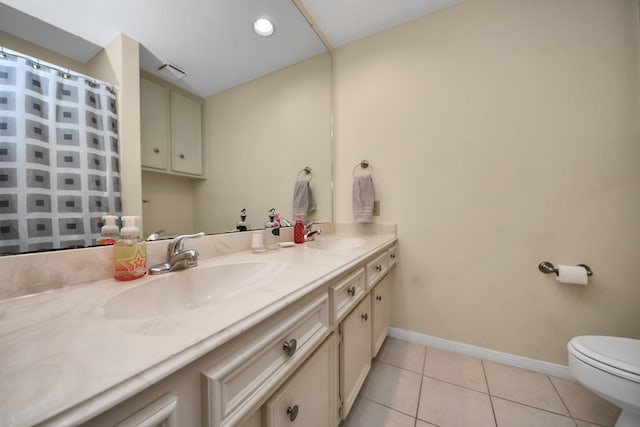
<point x="310" y="234"/>
<point x="177" y="257"/>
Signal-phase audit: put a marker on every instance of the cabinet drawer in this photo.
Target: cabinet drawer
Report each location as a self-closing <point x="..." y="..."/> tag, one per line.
<point x="345" y="294"/>
<point x="310" y="397"/>
<point x="253" y="365"/>
<point x="376" y="269"/>
<point x="392" y="256"/>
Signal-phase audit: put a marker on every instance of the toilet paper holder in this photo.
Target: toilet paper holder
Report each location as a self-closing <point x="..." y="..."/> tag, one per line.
<point x="547" y="267"/>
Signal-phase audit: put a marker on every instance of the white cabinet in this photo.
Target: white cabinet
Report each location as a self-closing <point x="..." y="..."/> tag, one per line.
<point x="154" y="118"/>
<point x="186" y="135"/>
<point x="171" y="130"/>
<point x="355" y="353"/>
<point x="291" y="369"/>
<point x="381" y="313"/>
<point x="310" y="397"/>
<point x="248" y="369"/>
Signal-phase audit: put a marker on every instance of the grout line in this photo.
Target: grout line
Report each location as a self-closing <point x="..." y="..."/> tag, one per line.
<point x="424" y="361"/>
<point x="562" y="400"/>
<point x="386" y="406"/>
<point x="493" y="410"/>
<point x="534" y="407"/>
<point x="454" y="384"/>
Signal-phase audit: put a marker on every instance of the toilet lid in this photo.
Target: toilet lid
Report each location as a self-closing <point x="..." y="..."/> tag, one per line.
<point x="619" y="353"/>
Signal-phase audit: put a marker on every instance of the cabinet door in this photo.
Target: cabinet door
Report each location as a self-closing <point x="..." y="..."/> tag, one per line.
<point x="186" y="134"/>
<point x="381" y="312"/>
<point x="154" y="125"/>
<point x="310" y="397"/>
<point x="355" y="353"/>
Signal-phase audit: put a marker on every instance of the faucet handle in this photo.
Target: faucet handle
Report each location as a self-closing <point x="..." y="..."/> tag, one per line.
<point x="308" y="227"/>
<point x="175" y="246"/>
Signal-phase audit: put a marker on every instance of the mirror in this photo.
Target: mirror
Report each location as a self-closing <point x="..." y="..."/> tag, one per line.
<point x="258" y="138"/>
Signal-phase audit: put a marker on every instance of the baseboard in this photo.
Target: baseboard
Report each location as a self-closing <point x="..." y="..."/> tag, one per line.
<point x="483" y="353"/>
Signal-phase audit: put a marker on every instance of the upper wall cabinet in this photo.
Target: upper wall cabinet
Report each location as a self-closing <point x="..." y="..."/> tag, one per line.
<point x="171" y="130"/>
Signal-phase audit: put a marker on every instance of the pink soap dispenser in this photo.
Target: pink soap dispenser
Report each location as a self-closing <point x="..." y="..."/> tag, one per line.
<point x="298" y="229"/>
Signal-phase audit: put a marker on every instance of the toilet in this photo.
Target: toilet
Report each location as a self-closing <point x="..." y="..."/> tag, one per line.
<point x="610" y="367"/>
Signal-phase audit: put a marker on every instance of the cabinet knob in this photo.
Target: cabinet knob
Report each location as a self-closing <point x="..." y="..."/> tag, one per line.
<point x="365" y="316"/>
<point x="378" y="268"/>
<point x="392" y="256"/>
<point x="379" y="297"/>
<point x="182" y="156"/>
<point x="292" y="411"/>
<point x="352" y="291"/>
<point x="290" y="346"/>
<point x="156" y="150"/>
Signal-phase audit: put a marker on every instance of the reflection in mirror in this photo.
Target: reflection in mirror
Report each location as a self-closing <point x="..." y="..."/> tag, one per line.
<point x="59" y="157"/>
<point x="256" y="136"/>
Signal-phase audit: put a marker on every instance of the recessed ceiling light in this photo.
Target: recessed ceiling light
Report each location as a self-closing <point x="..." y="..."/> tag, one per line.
<point x="263" y="27"/>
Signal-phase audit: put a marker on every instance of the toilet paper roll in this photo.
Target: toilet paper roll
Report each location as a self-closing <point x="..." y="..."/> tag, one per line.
<point x="572" y="274"/>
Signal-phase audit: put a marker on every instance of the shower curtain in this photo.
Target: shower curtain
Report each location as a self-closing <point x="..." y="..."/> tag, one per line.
<point x="59" y="163"/>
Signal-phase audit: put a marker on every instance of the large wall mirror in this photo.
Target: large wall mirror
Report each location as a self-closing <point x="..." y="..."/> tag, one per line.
<point x="260" y="131"/>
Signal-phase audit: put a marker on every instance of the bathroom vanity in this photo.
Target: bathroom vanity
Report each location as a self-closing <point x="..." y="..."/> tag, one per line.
<point x="286" y="338"/>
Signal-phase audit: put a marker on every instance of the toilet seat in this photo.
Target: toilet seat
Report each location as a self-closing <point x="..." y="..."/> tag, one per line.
<point x="614" y="355"/>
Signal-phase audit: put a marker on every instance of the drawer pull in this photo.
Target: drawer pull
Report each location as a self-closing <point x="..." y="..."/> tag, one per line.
<point x="365" y="316"/>
<point x="292" y="411"/>
<point x="379" y="297"/>
<point x="352" y="291"/>
<point x="182" y="156"/>
<point x="156" y="150"/>
<point x="290" y="347"/>
<point x="378" y="268"/>
<point x="392" y="256"/>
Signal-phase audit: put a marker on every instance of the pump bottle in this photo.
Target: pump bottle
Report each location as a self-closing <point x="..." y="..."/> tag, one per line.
<point x="129" y="253"/>
<point x="271" y="231"/>
<point x="242" y="224"/>
<point x="298" y="229"/>
<point x="110" y="231"/>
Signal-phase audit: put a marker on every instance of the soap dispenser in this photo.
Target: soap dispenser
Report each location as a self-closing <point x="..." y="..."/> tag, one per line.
<point x="130" y="252"/>
<point x="298" y="229"/>
<point x="110" y="231"/>
<point x="242" y="225"/>
<point x="271" y="231"/>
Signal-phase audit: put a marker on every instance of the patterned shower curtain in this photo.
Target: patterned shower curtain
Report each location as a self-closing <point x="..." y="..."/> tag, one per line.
<point x="59" y="163"/>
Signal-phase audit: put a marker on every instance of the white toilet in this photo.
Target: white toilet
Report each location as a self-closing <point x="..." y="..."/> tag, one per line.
<point x="610" y="367"/>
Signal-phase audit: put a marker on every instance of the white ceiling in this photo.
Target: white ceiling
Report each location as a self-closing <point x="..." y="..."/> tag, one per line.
<point x="212" y="40"/>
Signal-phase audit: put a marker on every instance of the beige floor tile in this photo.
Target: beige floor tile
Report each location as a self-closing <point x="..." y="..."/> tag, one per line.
<point x="511" y="414"/>
<point x="455" y="368"/>
<point x="366" y="413"/>
<point x="448" y="405"/>
<point x="394" y="387"/>
<point x="420" y="423"/>
<point x="520" y="385"/>
<point x="585" y="405"/>
<point x="403" y="354"/>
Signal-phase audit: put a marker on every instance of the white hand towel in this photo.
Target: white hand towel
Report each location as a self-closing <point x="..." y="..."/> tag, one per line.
<point x="363" y="198"/>
<point x="303" y="201"/>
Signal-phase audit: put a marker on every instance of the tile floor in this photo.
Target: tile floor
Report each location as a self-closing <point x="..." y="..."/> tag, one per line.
<point x="410" y="385"/>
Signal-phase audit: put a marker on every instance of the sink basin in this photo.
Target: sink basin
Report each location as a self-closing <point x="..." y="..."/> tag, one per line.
<point x="190" y="289"/>
<point x="335" y="244"/>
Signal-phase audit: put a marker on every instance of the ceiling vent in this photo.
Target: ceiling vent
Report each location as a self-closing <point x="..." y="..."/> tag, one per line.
<point x="171" y="71"/>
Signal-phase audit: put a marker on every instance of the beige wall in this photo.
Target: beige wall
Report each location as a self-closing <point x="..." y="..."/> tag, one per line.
<point x="168" y="204"/>
<point x="502" y="134"/>
<point x="258" y="137"/>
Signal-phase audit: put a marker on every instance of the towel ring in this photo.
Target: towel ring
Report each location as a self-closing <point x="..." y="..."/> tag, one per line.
<point x="307" y="172"/>
<point x="364" y="165"/>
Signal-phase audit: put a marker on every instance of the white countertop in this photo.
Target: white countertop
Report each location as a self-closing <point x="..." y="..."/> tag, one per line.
<point x="62" y="357"/>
